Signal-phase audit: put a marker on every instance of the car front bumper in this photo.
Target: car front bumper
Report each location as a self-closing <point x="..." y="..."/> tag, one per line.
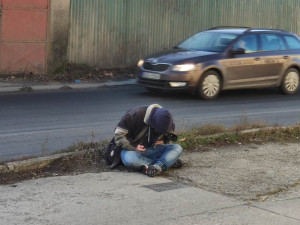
<point x="164" y="80"/>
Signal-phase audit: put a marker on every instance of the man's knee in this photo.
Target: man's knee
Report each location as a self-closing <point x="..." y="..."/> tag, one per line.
<point x="128" y="157"/>
<point x="178" y="148"/>
<point x="131" y="159"/>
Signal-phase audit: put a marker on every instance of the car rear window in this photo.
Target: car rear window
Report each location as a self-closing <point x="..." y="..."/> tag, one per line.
<point x="272" y="42"/>
<point x="292" y="42"/>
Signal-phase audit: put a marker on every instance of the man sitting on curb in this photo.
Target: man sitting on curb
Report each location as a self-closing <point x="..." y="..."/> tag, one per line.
<point x="143" y="135"/>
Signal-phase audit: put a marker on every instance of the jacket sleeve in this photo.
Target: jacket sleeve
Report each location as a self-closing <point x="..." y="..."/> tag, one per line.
<point x="122" y="135"/>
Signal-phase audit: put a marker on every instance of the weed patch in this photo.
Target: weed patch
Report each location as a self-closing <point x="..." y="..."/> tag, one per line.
<point x="208" y="129"/>
<point x="245" y="124"/>
<point x="70" y="73"/>
<point x="90" y="159"/>
<point x="192" y="140"/>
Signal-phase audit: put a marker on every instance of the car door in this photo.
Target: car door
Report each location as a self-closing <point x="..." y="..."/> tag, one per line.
<point x="244" y="66"/>
<point x="274" y="57"/>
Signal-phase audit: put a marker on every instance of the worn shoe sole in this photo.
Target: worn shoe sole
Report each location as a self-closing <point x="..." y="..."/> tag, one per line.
<point x="177" y="164"/>
<point x="151" y="171"/>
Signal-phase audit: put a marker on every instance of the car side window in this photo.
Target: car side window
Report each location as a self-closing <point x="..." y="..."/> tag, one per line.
<point x="292" y="42"/>
<point x="272" y="42"/>
<point x="248" y="43"/>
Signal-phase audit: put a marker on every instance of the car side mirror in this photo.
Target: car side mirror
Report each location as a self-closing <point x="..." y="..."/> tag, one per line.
<point x="238" y="51"/>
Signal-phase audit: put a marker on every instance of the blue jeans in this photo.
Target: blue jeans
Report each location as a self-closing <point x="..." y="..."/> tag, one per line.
<point x="162" y="155"/>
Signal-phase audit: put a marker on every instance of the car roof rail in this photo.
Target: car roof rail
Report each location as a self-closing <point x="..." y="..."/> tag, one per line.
<point x="269" y="29"/>
<point x="221" y="27"/>
<point x="248" y="28"/>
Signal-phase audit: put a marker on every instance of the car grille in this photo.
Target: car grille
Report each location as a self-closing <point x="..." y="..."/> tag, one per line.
<point x="154" y="83"/>
<point x="155" y="67"/>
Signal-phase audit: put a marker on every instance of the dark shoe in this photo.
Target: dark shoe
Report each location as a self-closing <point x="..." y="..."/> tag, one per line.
<point x="177" y="164"/>
<point x="151" y="170"/>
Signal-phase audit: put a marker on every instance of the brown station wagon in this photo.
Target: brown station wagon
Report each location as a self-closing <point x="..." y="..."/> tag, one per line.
<point x="226" y="58"/>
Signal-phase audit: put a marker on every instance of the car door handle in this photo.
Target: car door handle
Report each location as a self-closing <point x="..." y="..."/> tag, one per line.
<point x="257" y="59"/>
<point x="285" y="57"/>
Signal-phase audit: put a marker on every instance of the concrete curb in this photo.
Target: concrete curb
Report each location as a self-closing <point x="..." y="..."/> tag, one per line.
<point x="28" y="88"/>
<point x="32" y="164"/>
<point x="42" y="162"/>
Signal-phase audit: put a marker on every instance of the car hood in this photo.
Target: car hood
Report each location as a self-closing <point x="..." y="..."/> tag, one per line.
<point x="174" y="56"/>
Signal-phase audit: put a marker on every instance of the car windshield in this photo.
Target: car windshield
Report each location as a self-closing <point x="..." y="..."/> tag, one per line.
<point x="208" y="41"/>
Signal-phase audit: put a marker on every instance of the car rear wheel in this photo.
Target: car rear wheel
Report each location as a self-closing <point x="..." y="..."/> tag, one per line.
<point x="209" y="85"/>
<point x="290" y="82"/>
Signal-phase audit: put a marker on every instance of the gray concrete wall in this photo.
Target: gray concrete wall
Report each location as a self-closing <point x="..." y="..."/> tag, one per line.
<point x="58" y="35"/>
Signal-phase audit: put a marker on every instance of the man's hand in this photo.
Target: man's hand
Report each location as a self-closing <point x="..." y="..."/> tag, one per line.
<point x="159" y="143"/>
<point x="140" y="148"/>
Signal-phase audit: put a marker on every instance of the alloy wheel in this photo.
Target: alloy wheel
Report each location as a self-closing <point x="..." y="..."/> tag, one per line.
<point x="211" y="85"/>
<point x="291" y="81"/>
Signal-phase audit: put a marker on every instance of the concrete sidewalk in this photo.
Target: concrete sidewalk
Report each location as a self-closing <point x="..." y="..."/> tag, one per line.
<point x="18" y="86"/>
<point x="132" y="198"/>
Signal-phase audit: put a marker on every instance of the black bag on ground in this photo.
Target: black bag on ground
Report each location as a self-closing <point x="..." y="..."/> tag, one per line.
<point x="113" y="155"/>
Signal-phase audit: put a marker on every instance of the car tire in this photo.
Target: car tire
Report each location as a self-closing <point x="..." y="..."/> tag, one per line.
<point x="290" y="82"/>
<point x="210" y="85"/>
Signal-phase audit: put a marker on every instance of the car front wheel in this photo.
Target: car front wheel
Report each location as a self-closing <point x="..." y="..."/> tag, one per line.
<point x="290" y="82"/>
<point x="209" y="85"/>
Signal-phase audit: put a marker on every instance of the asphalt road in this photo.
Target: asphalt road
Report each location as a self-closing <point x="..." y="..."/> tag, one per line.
<point x="44" y="122"/>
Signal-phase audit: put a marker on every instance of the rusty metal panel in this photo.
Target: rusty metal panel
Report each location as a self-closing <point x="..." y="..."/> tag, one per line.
<point x="23" y="57"/>
<point x="23" y="36"/>
<point x="24" y="25"/>
<point x="114" y="33"/>
<point x="23" y="4"/>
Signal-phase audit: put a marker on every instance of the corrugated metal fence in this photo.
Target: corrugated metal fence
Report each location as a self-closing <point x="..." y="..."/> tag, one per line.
<point x="116" y="33"/>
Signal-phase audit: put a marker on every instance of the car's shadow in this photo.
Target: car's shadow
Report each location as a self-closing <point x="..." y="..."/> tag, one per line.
<point x="245" y="95"/>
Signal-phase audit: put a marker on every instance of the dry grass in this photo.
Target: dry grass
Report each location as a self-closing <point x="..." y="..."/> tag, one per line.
<point x="245" y="124"/>
<point x="197" y="139"/>
<point x="209" y="128"/>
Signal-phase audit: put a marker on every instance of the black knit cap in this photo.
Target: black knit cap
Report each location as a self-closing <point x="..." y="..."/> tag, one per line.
<point x="161" y="120"/>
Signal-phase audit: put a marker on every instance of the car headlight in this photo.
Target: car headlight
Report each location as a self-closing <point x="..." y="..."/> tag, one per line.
<point x="184" y="67"/>
<point x="140" y="63"/>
